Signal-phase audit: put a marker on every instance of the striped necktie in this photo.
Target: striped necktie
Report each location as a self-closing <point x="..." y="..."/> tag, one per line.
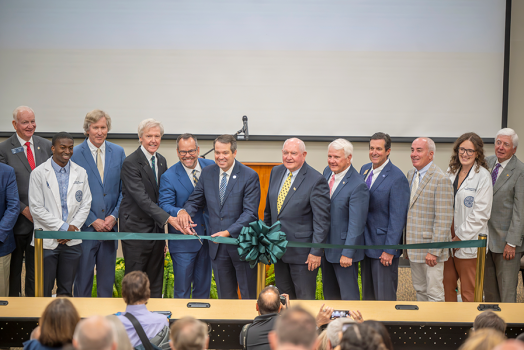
<point x="223" y="185"/>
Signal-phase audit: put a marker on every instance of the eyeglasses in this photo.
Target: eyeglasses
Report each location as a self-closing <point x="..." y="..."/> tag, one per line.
<point x="468" y="151"/>
<point x="191" y="152"/>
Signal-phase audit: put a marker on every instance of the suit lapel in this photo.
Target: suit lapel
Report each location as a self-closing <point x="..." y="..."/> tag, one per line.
<point x="505" y="174"/>
<point x="108" y="161"/>
<point x="21" y="155"/>
<point x="216" y="186"/>
<point x="381" y="177"/>
<point x="343" y="182"/>
<point x="233" y="179"/>
<point x="423" y="183"/>
<point x="183" y="178"/>
<point x="41" y="155"/>
<point x="86" y="153"/>
<point x="295" y="185"/>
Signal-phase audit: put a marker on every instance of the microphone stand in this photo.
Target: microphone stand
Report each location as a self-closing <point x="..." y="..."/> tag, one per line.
<point x="243" y="130"/>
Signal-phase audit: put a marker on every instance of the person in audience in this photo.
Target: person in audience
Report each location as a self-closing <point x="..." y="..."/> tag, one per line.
<point x="388" y="209"/>
<point x="60" y="200"/>
<point x="191" y="261"/>
<point x="429" y="220"/>
<point x="506" y="224"/>
<point x="295" y="329"/>
<point x="335" y="329"/>
<point x="489" y="319"/>
<point x="136" y="293"/>
<point x="483" y="339"/>
<point x="57" y="326"/>
<point x="122" y="340"/>
<point x="383" y="331"/>
<point x="102" y="161"/>
<point x="95" y="333"/>
<point x="520" y="337"/>
<point x="23" y="151"/>
<point x="511" y="344"/>
<point x="322" y="341"/>
<point x="361" y="337"/>
<point x="468" y="172"/>
<point x="188" y="333"/>
<point x="298" y="197"/>
<point x="349" y="209"/>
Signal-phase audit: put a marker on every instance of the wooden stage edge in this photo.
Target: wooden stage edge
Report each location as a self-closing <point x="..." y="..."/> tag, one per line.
<point x="230" y="311"/>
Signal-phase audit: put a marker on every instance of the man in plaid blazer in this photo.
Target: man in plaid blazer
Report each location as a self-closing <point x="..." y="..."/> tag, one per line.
<point x="429" y="220"/>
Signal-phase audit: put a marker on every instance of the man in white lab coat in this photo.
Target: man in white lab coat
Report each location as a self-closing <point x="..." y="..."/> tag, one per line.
<point x="59" y="200"/>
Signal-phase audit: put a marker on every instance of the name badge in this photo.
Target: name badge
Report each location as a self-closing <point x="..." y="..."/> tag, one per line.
<point x="17" y="150"/>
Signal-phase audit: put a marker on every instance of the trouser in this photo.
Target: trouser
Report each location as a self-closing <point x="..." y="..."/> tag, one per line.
<point x="23" y="247"/>
<point x="60" y="264"/>
<point x="296" y="280"/>
<point x="379" y="282"/>
<point x="5" y="265"/>
<point x="146" y="256"/>
<point x="466" y="270"/>
<point x="428" y="281"/>
<point x="232" y="273"/>
<point x="340" y="283"/>
<point x="501" y="277"/>
<point x="192" y="268"/>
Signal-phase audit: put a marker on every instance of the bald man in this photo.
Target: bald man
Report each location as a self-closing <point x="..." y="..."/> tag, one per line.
<point x="94" y="332"/>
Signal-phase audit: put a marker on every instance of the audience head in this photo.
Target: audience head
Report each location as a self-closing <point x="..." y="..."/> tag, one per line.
<point x="122" y="339"/>
<point x="483" y="339"/>
<point x="506" y="143"/>
<point x="293" y="154"/>
<point x="97" y="124"/>
<point x="520" y="337"/>
<point x="322" y="341"/>
<point x="295" y="327"/>
<point x="335" y="329"/>
<point x="188" y="333"/>
<point x="511" y="344"/>
<point x="24" y="122"/>
<point x="225" y="147"/>
<point x="150" y="132"/>
<point x="383" y="331"/>
<point x="94" y="333"/>
<point x="489" y="319"/>
<point x="361" y="337"/>
<point x="58" y="323"/>
<point x="379" y="148"/>
<point x="340" y="153"/>
<point x="268" y="301"/>
<point x="187" y="150"/>
<point x="135" y="288"/>
<point x="422" y="152"/>
<point x="468" y="149"/>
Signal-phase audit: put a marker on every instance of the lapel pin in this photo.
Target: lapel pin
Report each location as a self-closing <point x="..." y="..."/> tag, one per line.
<point x="365" y="172"/>
<point x="343" y="183"/>
<point x="234" y="176"/>
<point x="383" y="175"/>
<point x="38" y="147"/>
<point x="294" y="188"/>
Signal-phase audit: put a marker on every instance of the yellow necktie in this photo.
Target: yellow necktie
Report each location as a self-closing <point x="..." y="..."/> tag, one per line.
<point x="99" y="164"/>
<point x="283" y="192"/>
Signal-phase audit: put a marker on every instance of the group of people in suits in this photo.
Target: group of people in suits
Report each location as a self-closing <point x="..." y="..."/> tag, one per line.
<point x="94" y="187"/>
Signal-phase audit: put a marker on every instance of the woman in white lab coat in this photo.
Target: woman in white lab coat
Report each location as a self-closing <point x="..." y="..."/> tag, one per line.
<point x="473" y="190"/>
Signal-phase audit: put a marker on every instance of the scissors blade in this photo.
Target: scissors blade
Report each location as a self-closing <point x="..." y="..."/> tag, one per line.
<point x="196" y="234"/>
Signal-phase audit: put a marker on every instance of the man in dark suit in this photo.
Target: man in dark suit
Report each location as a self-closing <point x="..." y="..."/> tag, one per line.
<point x="139" y="211"/>
<point x="23" y="151"/>
<point x="298" y="196"/>
<point x="9" y="210"/>
<point x="102" y="161"/>
<point x="349" y="208"/>
<point x="231" y="192"/>
<point x="191" y="262"/>
<point x="387" y="214"/>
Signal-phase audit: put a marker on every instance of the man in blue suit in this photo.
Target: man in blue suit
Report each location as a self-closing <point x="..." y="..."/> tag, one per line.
<point x="9" y="209"/>
<point x="349" y="208"/>
<point x="191" y="262"/>
<point x="102" y="160"/>
<point x="388" y="208"/>
<point x="231" y="192"/>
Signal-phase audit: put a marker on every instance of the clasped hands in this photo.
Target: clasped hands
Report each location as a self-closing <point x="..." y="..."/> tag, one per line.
<point x="105" y="225"/>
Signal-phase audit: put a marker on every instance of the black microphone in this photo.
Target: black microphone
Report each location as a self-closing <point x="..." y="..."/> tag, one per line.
<point x="246" y="129"/>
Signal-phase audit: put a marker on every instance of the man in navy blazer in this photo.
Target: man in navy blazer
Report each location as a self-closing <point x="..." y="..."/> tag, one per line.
<point x="349" y="208"/>
<point x="298" y="197"/>
<point x="388" y="209"/>
<point x="9" y="209"/>
<point x="231" y="192"/>
<point x="191" y="262"/>
<point x="102" y="160"/>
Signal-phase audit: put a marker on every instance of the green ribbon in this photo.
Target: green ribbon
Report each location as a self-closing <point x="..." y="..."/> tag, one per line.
<point x="259" y="243"/>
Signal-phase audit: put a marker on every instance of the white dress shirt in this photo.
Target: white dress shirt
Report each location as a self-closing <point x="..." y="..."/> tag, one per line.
<point x="93" y="150"/>
<point x="376" y="172"/>
<point x="148" y="157"/>
<point x="228" y="172"/>
<point x="190" y="172"/>
<point x="502" y="166"/>
<point x="338" y="178"/>
<point x="22" y="142"/>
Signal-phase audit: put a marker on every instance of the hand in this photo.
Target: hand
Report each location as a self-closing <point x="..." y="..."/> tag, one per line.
<point x="356" y="315"/>
<point x="431" y="260"/>
<point x="99" y="225"/>
<point x="509" y="252"/>
<point x="324" y="315"/>
<point x="221" y="234"/>
<point x="27" y="214"/>
<point x="109" y="223"/>
<point x="312" y="262"/>
<point x="455" y="239"/>
<point x="62" y="241"/>
<point x="288" y="304"/>
<point x="184" y="222"/>
<point x="386" y="259"/>
<point x="173" y="221"/>
<point x="72" y="228"/>
<point x="345" y="261"/>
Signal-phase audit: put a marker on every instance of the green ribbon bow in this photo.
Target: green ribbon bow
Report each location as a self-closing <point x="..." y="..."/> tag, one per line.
<point x="260" y="243"/>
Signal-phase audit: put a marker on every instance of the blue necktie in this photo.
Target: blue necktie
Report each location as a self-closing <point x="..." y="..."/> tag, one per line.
<point x="223" y="185"/>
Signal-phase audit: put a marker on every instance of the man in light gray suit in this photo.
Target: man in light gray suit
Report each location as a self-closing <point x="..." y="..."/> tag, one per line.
<point x="506" y="225"/>
<point x="23" y="151"/>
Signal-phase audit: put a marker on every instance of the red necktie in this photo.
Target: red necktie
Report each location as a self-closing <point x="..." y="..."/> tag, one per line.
<point x="30" y="157"/>
<point x="331" y="184"/>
